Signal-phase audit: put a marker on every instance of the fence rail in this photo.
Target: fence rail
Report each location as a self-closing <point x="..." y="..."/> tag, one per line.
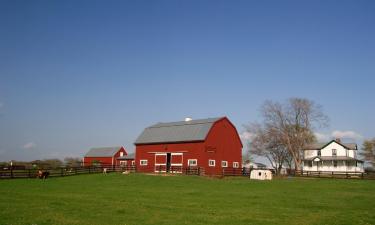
<point x="17" y="172"/>
<point x="336" y="174"/>
<point x="62" y="172"/>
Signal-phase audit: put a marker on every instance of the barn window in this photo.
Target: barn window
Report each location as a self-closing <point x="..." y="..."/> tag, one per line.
<point x="211" y="162"/>
<point x="334" y="152"/>
<point x="143" y="162"/>
<point x="224" y="163"/>
<point x="235" y="165"/>
<point x="133" y="163"/>
<point x="121" y="154"/>
<point x="192" y="162"/>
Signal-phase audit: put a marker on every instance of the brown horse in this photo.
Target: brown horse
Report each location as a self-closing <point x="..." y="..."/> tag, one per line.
<point x="43" y="175"/>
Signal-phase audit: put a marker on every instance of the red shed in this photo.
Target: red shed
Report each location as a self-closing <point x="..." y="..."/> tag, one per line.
<point x="212" y="144"/>
<point x="109" y="156"/>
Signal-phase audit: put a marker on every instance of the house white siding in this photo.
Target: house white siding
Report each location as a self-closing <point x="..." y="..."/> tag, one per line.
<point x="334" y="157"/>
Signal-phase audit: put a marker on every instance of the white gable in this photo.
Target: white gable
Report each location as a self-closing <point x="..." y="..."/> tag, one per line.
<point x="327" y="151"/>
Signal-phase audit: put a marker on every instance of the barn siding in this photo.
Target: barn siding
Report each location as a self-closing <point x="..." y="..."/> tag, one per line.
<point x="105" y="160"/>
<point x="222" y="143"/>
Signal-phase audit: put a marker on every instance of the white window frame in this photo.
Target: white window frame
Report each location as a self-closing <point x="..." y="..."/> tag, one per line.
<point x="192" y="164"/>
<point x="224" y="162"/>
<point x="121" y="154"/>
<point x="143" y="162"/>
<point x="211" y="161"/>
<point x="236" y="165"/>
<point x="133" y="162"/>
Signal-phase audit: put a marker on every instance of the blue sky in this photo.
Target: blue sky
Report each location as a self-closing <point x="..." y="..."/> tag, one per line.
<point x="80" y="74"/>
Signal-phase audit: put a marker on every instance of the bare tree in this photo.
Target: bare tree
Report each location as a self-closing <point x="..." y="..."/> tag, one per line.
<point x="368" y="151"/>
<point x="72" y="162"/>
<point x="289" y="126"/>
<point x="265" y="144"/>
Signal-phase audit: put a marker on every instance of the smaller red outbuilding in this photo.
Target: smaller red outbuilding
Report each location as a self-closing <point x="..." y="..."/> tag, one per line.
<point x="108" y="156"/>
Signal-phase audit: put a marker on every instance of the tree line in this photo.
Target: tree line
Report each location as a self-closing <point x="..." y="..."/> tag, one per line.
<point x="45" y="163"/>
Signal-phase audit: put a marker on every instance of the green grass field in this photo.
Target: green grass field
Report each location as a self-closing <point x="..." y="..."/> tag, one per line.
<point x="145" y="199"/>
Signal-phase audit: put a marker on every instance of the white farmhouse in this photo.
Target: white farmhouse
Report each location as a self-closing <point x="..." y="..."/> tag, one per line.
<point x="333" y="156"/>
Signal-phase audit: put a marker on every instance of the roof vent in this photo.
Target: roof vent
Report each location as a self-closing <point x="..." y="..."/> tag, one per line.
<point x="187" y="119"/>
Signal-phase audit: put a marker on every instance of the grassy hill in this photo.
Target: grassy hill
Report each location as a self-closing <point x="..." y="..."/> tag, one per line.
<point x="146" y="199"/>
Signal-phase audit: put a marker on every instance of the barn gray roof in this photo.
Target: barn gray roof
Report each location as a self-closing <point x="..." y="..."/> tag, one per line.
<point x="182" y="131"/>
<point x="318" y="146"/>
<point x="130" y="156"/>
<point x="103" y="152"/>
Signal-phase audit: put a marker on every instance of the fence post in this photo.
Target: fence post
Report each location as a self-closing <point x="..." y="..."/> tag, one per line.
<point x="11" y="171"/>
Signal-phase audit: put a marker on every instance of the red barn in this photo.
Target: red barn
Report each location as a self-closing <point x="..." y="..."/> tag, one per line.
<point x="212" y="144"/>
<point x="109" y="156"/>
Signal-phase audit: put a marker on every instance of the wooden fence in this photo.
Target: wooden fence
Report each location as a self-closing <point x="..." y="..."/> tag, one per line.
<point x="6" y="173"/>
<point x="62" y="171"/>
<point x="336" y="174"/>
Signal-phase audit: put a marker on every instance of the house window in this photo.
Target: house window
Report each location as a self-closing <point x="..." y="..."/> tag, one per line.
<point x="133" y="163"/>
<point x="121" y="154"/>
<point x="211" y="162"/>
<point x="334" y="152"/>
<point x="307" y="163"/>
<point x="224" y="163"/>
<point x="319" y="153"/>
<point x="192" y="162"/>
<point x="143" y="162"/>
<point x="236" y="165"/>
<point x="123" y="163"/>
<point x="334" y="163"/>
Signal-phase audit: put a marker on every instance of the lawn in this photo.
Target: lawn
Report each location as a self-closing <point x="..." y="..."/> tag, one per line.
<point x="145" y="199"/>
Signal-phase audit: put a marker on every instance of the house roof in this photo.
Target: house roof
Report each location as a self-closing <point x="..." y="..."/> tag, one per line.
<point x="318" y="146"/>
<point x="333" y="158"/>
<point x="182" y="131"/>
<point x="103" y="152"/>
<point x="130" y="156"/>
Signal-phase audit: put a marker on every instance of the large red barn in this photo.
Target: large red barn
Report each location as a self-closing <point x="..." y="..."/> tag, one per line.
<point x="108" y="156"/>
<point x="211" y="144"/>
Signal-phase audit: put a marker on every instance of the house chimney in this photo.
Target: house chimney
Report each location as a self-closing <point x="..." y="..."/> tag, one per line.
<point x="187" y="119"/>
<point x="338" y="140"/>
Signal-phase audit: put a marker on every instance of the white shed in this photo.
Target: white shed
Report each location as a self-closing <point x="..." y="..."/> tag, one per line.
<point x="261" y="175"/>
